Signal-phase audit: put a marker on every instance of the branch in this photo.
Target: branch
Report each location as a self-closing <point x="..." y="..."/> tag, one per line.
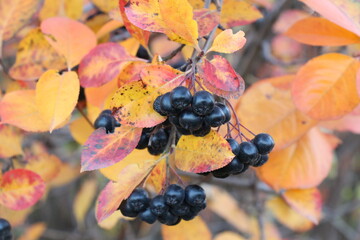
<point x="173" y="53"/>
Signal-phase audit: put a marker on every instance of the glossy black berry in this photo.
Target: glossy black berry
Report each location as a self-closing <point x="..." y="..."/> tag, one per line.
<point x="106" y="112"/>
<point x="158" y="205"/>
<point x="183" y="131"/>
<point x="106" y="121"/>
<point x="148" y="216"/>
<point x="165" y="105"/>
<point x="127" y="210"/>
<point x="144" y="141"/>
<point x="138" y="200"/>
<point x="246" y="167"/>
<point x="158" y="142"/>
<point x="174" y="119"/>
<point x="199" y="208"/>
<point x="180" y="97"/>
<point x="191" y="215"/>
<point x="264" y="143"/>
<point x="203" y="103"/>
<point x="233" y="167"/>
<point x="194" y="195"/>
<point x="235" y="148"/>
<point x="4" y="225"/>
<point x="157" y="106"/>
<point x="169" y="219"/>
<point x="226" y="111"/>
<point x="181" y="210"/>
<point x="202" y="132"/>
<point x="248" y="152"/>
<point x="220" y="174"/>
<point x="189" y="120"/>
<point x="174" y="195"/>
<point x="216" y="118"/>
<point x="261" y="161"/>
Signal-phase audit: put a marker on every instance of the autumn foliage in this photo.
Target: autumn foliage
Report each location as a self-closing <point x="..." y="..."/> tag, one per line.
<point x="64" y="62"/>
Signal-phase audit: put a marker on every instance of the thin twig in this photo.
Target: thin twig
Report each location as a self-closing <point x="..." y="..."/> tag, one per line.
<point x="173" y="53"/>
<point x="84" y="115"/>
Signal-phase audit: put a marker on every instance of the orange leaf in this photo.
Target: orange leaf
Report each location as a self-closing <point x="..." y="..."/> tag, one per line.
<point x="70" y="38"/>
<point x="11" y="139"/>
<point x="172" y="17"/>
<point x="105" y="5"/>
<point x="267" y="106"/>
<point x="207" y="20"/>
<point x="220" y="78"/>
<point x="326" y="34"/>
<point x="228" y="42"/>
<point x="287" y="216"/>
<point x="341" y="12"/>
<point x="304" y="164"/>
<point x="238" y="12"/>
<point x="157" y="178"/>
<point x="67" y="173"/>
<point x="33" y="232"/>
<point x="102" y="64"/>
<point x="326" y="86"/>
<point x="130" y="73"/>
<point x="103" y="150"/>
<point x="228" y="236"/>
<point x="108" y="27"/>
<point x="84" y="199"/>
<point x="202" y="154"/>
<point x="56" y="96"/>
<point x="20" y="189"/>
<point x="306" y="202"/>
<point x="97" y="96"/>
<point x="64" y="8"/>
<point x="34" y="56"/>
<point x="115" y="192"/>
<point x="18" y="108"/>
<point x="80" y="130"/>
<point x="138" y="33"/>
<point x="186" y="230"/>
<point x="14" y="16"/>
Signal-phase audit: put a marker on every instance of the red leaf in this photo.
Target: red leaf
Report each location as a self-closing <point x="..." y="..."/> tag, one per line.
<point x="207" y="20"/>
<point x="20" y="189"/>
<point x="103" y="150"/>
<point x="102" y="64"/>
<point x="220" y="78"/>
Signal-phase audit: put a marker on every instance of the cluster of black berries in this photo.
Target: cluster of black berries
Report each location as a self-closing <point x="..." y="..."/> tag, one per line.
<point x="194" y="115"/>
<point x="5" y="230"/>
<point x="253" y="153"/>
<point x="176" y="204"/>
<point x="107" y="121"/>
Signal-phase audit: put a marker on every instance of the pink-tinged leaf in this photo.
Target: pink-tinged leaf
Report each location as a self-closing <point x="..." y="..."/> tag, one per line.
<point x="207" y="20"/>
<point x="20" y="189"/>
<point x="103" y="150"/>
<point x="130" y="73"/>
<point x="70" y="38"/>
<point x="307" y="202"/>
<point x="102" y="64"/>
<point x="238" y="12"/>
<point x="228" y="42"/>
<point x="141" y="35"/>
<point x="220" y="78"/>
<point x="114" y="193"/>
<point x="341" y="12"/>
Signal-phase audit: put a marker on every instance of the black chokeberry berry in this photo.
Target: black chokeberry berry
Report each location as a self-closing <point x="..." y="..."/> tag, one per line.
<point x="183" y="131"/>
<point x="144" y="141"/>
<point x="180" y="97"/>
<point x="219" y="173"/>
<point x="174" y="195"/>
<point x="248" y="152"/>
<point x="226" y="111"/>
<point x="139" y="200"/>
<point x="264" y="143"/>
<point x="165" y="104"/>
<point x="158" y="142"/>
<point x="169" y="219"/>
<point x="191" y="215"/>
<point x="181" y="210"/>
<point x="4" y="226"/>
<point x="203" y="103"/>
<point x="157" y="106"/>
<point x="127" y="210"/>
<point x="189" y="120"/>
<point x="148" y="216"/>
<point x="174" y="119"/>
<point x="235" y="148"/>
<point x="106" y="121"/>
<point x="261" y="161"/>
<point x="106" y="111"/>
<point x="203" y="131"/>
<point x="158" y="205"/>
<point x="194" y="195"/>
<point x="197" y="209"/>
<point x="216" y="118"/>
<point x="246" y="167"/>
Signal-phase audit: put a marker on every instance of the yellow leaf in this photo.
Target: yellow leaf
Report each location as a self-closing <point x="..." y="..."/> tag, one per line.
<point x="33" y="232"/>
<point x="106" y="5"/>
<point x="238" y="12"/>
<point x="83" y="199"/>
<point x="11" y="139"/>
<point x="202" y="154"/>
<point x="187" y="230"/>
<point x="228" y="236"/>
<point x="67" y="173"/>
<point x="80" y="130"/>
<point x="56" y="96"/>
<point x="228" y="42"/>
<point x="64" y="8"/>
<point x="15" y="217"/>
<point x="34" y="56"/>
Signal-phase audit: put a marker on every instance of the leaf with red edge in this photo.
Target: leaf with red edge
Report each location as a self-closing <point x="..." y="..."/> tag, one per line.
<point x="70" y="38"/>
<point x="326" y="87"/>
<point x="207" y="20"/>
<point x="304" y="164"/>
<point x="130" y="73"/>
<point x="238" y="12"/>
<point x="157" y="177"/>
<point x="202" y="154"/>
<point x="20" y="189"/>
<point x="114" y="193"/>
<point x="307" y="202"/>
<point x="141" y="35"/>
<point x="326" y="34"/>
<point x="341" y="12"/>
<point x="102" y="64"/>
<point x="103" y="150"/>
<point x="220" y="78"/>
<point x="228" y="42"/>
